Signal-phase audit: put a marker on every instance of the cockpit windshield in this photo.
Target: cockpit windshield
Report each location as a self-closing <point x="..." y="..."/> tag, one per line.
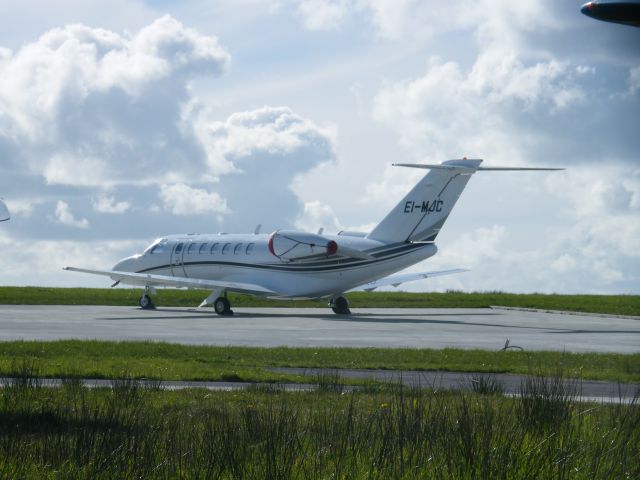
<point x="158" y="246"/>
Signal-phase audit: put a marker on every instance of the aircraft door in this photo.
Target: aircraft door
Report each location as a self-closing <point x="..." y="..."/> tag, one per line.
<point x="177" y="266"/>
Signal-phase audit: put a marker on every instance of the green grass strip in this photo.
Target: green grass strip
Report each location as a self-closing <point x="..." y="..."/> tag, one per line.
<point x="101" y="359"/>
<point x="609" y="304"/>
<point x="133" y="432"/>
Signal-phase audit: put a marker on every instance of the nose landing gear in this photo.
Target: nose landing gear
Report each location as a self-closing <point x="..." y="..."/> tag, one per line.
<point x="145" y="301"/>
<point x="340" y="305"/>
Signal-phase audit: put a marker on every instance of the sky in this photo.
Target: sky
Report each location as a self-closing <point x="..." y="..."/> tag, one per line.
<point x="122" y="121"/>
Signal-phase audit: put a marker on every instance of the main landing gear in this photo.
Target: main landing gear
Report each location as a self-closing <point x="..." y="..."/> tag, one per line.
<point x="220" y="302"/>
<point x="340" y="305"/>
<point x="222" y="306"/>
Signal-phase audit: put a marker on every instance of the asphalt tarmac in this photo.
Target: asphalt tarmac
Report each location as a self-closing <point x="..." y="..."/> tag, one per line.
<point x="509" y="384"/>
<point x="318" y="327"/>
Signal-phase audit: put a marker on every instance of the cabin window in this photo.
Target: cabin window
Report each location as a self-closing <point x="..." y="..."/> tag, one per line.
<point x="179" y="248"/>
<point x="249" y="248"/>
<point x="191" y="248"/>
<point x="236" y="250"/>
<point x="203" y="248"/>
<point x="214" y="248"/>
<point x="226" y="248"/>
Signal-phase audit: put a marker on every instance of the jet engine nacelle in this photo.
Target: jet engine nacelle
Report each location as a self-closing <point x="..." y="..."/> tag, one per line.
<point x="292" y="245"/>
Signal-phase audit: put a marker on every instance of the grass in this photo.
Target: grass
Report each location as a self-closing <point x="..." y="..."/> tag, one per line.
<point x="133" y="432"/>
<point x="611" y="304"/>
<point x="103" y="359"/>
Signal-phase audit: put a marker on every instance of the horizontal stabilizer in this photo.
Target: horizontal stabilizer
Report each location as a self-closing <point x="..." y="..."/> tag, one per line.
<point x="473" y="169"/>
<point x="147" y="279"/>
<point x="396" y="280"/>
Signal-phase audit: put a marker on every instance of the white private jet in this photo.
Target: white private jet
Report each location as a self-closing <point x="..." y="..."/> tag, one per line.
<point x="299" y="265"/>
<point x="4" y="212"/>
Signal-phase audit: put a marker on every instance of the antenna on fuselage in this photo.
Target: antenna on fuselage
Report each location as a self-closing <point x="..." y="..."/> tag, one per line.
<point x="320" y="230"/>
<point x="257" y="230"/>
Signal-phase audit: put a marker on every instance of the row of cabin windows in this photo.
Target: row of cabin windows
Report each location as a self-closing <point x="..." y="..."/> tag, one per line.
<point x="224" y="248"/>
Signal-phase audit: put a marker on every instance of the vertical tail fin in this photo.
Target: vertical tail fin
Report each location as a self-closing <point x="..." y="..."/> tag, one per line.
<point x="421" y="213"/>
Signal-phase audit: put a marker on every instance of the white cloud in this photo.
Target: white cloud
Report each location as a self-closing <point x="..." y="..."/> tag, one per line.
<point x="395" y="19"/>
<point x="88" y="106"/>
<point x="64" y="169"/>
<point x="323" y="14"/>
<point x="447" y="112"/>
<point x="64" y="216"/>
<point x="564" y="263"/>
<point x="597" y="193"/>
<point x="255" y="157"/>
<point x="419" y="19"/>
<point x="104" y="204"/>
<point x="47" y="257"/>
<point x="180" y="199"/>
<point x="318" y="215"/>
<point x="267" y="130"/>
<point x="477" y="246"/>
<point x="21" y="207"/>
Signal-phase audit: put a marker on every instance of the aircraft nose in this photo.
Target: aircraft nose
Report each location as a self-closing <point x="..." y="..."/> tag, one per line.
<point x="125" y="265"/>
<point x="587" y="8"/>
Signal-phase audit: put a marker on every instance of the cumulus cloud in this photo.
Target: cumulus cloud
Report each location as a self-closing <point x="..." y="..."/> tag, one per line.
<point x="317" y="215"/>
<point x="448" y="111"/>
<point x="275" y="131"/>
<point x="181" y="199"/>
<point x="107" y="204"/>
<point x="261" y="152"/>
<point x="64" y="216"/>
<point x="88" y="106"/>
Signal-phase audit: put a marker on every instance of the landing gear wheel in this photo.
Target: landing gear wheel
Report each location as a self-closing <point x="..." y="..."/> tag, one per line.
<point x="340" y="305"/>
<point x="222" y="306"/>
<point x="146" y="303"/>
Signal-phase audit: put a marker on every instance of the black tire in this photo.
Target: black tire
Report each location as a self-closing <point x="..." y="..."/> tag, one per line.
<point x="221" y="305"/>
<point x="340" y="305"/>
<point x="146" y="303"/>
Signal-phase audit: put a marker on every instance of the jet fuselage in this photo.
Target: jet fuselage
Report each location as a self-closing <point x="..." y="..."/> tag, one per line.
<point x="247" y="258"/>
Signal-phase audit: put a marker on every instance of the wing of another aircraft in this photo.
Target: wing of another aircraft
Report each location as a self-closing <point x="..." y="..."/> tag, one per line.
<point x="147" y="279"/>
<point x="396" y="280"/>
<point x="4" y="212"/>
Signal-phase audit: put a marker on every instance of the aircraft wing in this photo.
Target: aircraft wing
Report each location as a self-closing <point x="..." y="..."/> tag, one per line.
<point x="396" y="280"/>
<point x="4" y="212"/>
<point x="145" y="279"/>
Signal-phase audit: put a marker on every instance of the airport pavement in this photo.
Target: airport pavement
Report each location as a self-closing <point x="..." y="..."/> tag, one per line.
<point x="509" y="384"/>
<point x="317" y="327"/>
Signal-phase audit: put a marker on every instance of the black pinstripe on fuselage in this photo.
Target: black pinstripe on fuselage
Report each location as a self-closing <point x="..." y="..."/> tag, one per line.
<point x="380" y="254"/>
